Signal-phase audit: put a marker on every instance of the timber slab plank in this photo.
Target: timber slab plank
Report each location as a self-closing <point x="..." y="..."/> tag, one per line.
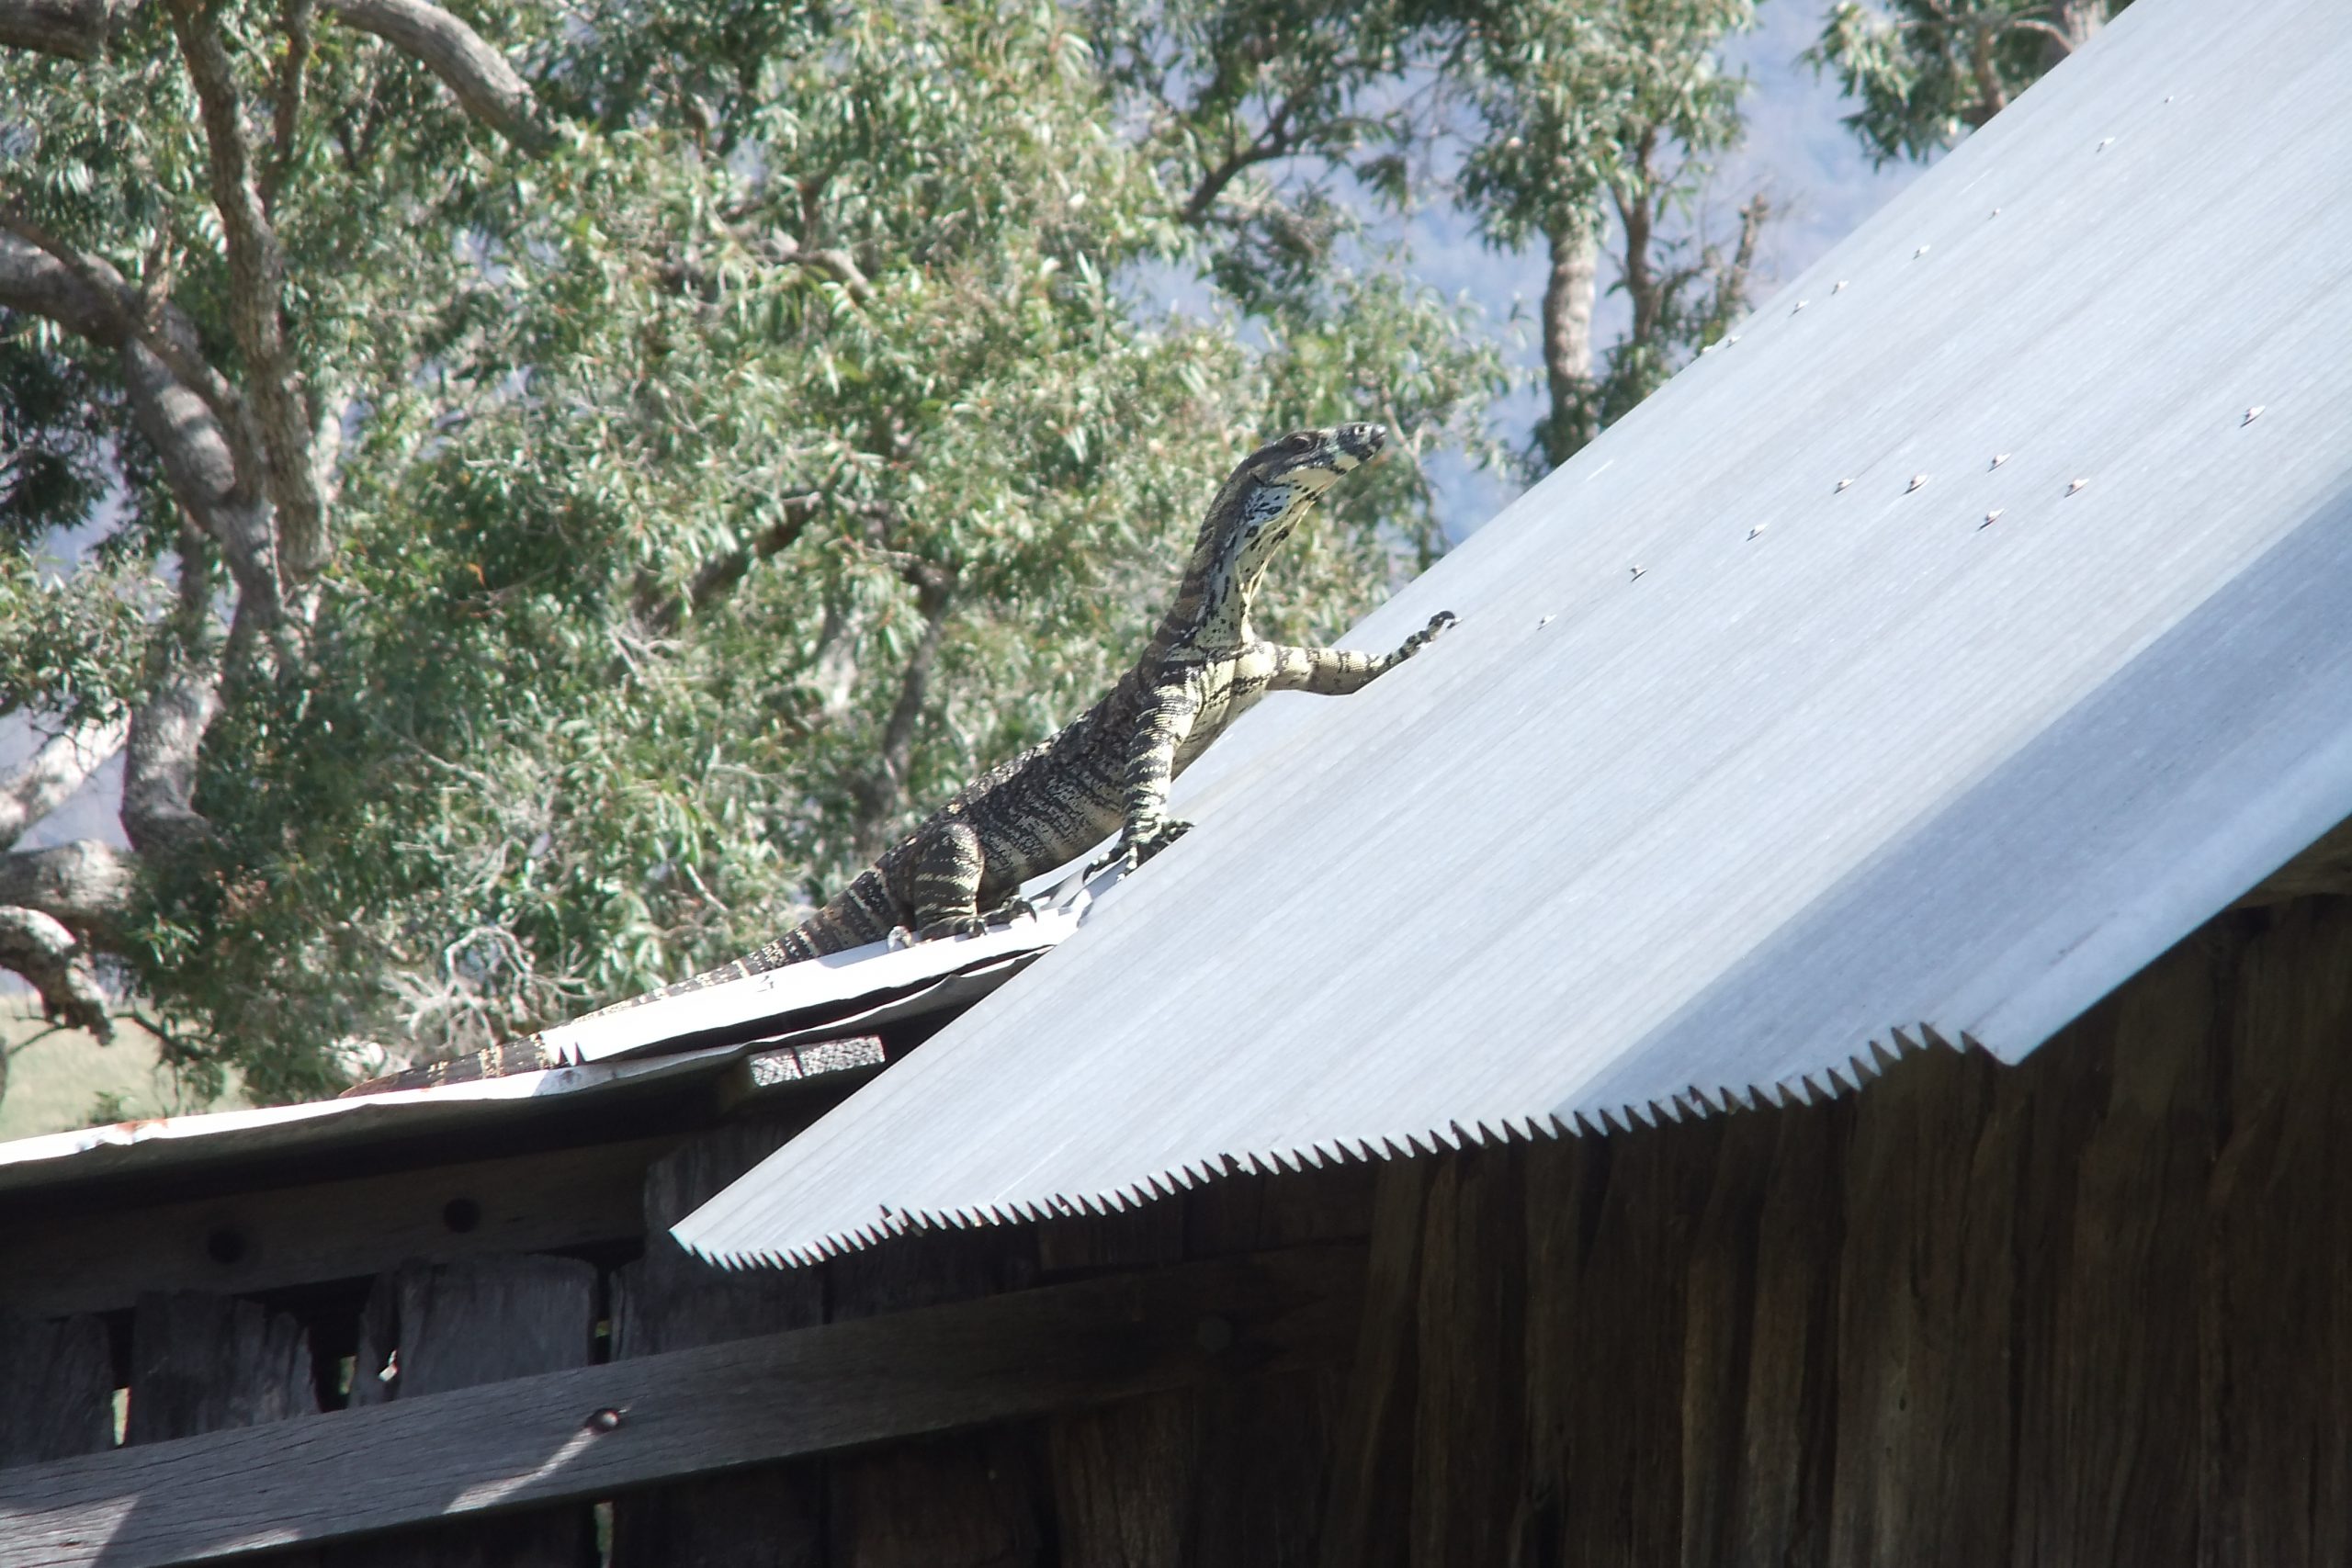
<point x="56" y="1389"/>
<point x="53" y="1264"/>
<point x="535" y="1441"/>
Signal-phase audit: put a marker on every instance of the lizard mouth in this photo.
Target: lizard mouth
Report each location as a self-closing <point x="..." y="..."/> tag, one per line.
<point x="1359" y="445"/>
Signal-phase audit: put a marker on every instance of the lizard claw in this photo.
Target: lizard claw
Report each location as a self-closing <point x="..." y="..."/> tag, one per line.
<point x="1013" y="908"/>
<point x="953" y="925"/>
<point x="1428" y="634"/>
<point x="1141" y="847"/>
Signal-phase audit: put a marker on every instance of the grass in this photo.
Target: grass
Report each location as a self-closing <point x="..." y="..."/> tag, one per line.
<point x="59" y="1079"/>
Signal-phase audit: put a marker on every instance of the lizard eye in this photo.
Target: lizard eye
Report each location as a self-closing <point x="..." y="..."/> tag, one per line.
<point x="1303" y="442"/>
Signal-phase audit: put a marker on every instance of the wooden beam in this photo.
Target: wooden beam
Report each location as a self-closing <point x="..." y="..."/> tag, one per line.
<point x="597" y="1430"/>
<point x="52" y="1265"/>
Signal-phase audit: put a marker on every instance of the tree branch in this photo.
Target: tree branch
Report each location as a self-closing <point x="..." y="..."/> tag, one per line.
<point x="43" y="951"/>
<point x="37" y="283"/>
<point x="205" y="443"/>
<point x="483" y="82"/>
<point x="722" y="571"/>
<point x="2056" y="37"/>
<point x="285" y="110"/>
<point x="75" y="28"/>
<point x="64" y="762"/>
<point x="1272" y="141"/>
<point x="201" y="466"/>
<point x="256" y="289"/>
<point x="108" y="311"/>
<point x="168" y="730"/>
<point x="833" y="263"/>
<point x="159" y="772"/>
<point x="1991" y="96"/>
<point x="86" y="885"/>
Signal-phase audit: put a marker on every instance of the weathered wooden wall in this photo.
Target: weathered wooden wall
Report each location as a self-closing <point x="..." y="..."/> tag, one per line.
<point x="2094" y="1309"/>
<point x="2097" y="1308"/>
<point x="1222" y="1460"/>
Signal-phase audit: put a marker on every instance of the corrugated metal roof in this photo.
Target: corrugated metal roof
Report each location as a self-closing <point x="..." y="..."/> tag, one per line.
<point x="781" y="1020"/>
<point x="1921" y="663"/>
<point x="866" y="987"/>
<point x="155" y="1144"/>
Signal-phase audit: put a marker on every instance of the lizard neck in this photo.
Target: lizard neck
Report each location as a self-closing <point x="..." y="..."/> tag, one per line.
<point x="1248" y="521"/>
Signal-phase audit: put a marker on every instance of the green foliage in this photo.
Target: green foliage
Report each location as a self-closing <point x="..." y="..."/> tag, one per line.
<point x="814" y="342"/>
<point x="1571" y="91"/>
<point x="77" y="643"/>
<point x="1927" y="72"/>
<point x="52" y="439"/>
<point x="1600" y="119"/>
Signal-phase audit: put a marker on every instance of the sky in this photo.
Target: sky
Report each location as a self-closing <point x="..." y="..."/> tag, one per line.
<point x="1820" y="183"/>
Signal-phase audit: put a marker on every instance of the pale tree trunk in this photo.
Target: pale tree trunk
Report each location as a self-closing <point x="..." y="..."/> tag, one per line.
<point x="1992" y="93"/>
<point x="243" y="462"/>
<point x="1568" y="295"/>
<point x="2066" y="27"/>
<point x="2078" y="19"/>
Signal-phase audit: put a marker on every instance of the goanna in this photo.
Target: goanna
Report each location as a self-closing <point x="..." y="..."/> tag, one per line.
<point x="1109" y="769"/>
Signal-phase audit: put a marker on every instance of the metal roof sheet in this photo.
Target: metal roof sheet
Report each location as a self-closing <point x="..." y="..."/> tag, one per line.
<point x="1961" y="634"/>
<point x="781" y="1020"/>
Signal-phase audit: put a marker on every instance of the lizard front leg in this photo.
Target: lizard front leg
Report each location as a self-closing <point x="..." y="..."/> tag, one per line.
<point x="945" y="882"/>
<point x="1151" y="762"/>
<point x="1336" y="672"/>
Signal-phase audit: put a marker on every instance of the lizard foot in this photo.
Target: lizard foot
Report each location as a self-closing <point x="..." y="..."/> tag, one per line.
<point x="1428" y="634"/>
<point x="1013" y="908"/>
<point x="1141" y="847"/>
<point x="954" y="925"/>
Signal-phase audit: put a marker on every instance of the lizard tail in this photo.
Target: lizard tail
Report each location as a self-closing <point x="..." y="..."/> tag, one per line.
<point x="523" y="1056"/>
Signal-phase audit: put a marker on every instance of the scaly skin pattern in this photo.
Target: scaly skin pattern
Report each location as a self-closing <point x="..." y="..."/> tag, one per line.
<point x="1108" y="771"/>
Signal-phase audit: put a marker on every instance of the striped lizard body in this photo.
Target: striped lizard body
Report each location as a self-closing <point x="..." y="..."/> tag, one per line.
<point x="1108" y="771"/>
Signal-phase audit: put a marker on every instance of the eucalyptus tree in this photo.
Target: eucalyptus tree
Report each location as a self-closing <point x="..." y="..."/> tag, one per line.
<point x="1598" y="121"/>
<point x="1574" y="125"/>
<point x="1926" y="72"/>
<point x="533" y="495"/>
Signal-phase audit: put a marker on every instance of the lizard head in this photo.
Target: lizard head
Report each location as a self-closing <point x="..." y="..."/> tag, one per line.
<point x="1308" y="460"/>
<point x="1262" y="501"/>
<point x="1254" y="512"/>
